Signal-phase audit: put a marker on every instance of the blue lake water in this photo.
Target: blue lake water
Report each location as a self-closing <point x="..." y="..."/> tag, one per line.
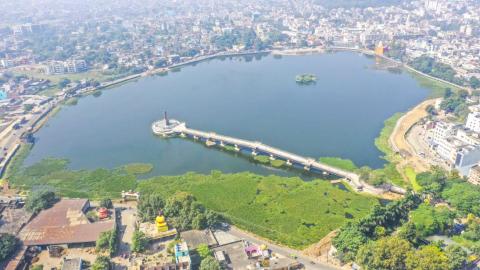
<point x="253" y="98"/>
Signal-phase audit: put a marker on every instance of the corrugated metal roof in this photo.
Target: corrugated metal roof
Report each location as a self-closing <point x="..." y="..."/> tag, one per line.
<point x="64" y="223"/>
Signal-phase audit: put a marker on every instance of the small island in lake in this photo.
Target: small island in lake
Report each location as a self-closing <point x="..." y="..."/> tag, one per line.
<point x="305" y="78"/>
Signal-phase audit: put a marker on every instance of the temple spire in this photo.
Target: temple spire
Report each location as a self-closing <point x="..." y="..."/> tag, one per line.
<point x="166" y="118"/>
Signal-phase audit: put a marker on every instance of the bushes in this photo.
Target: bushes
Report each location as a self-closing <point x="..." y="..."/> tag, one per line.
<point x="139" y="241"/>
<point x="39" y="200"/>
<point x="102" y="263"/>
<point x="149" y="207"/>
<point x="430" y="220"/>
<point x="186" y="213"/>
<point x="388" y="253"/>
<point x="463" y="196"/>
<point x="107" y="242"/>
<point x="8" y="244"/>
<point x="204" y="251"/>
<point x="183" y="211"/>
<point x="352" y="236"/>
<point x="209" y="263"/>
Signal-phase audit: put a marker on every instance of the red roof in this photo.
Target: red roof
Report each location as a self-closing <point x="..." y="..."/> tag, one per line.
<point x="64" y="223"/>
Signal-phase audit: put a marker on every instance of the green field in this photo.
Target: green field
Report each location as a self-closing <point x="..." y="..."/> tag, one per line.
<point x="437" y="88"/>
<point x="287" y="210"/>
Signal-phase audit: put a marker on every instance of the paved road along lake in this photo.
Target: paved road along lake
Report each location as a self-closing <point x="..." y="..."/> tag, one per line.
<point x="253" y="98"/>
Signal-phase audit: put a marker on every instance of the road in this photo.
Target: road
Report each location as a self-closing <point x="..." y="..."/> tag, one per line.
<point x="11" y="138"/>
<point x="398" y="138"/>
<point x="126" y="226"/>
<point x="285" y="251"/>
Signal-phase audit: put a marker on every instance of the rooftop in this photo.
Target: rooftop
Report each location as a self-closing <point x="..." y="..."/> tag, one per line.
<point x="64" y="223"/>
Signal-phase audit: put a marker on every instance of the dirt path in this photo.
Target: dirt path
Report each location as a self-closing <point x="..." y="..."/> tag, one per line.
<point x="398" y="140"/>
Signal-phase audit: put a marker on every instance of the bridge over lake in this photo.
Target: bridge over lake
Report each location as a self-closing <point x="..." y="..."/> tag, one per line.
<point x="170" y="127"/>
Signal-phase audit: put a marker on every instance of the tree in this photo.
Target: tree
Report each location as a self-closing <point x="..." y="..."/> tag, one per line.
<point x="209" y="263"/>
<point x="204" y="251"/>
<point x="102" y="263"/>
<point x="139" y="242"/>
<point x="8" y="244"/>
<point x="472" y="232"/>
<point x="64" y="82"/>
<point x="474" y="82"/>
<point x="410" y="233"/>
<point x="185" y="212"/>
<point x="107" y="203"/>
<point x="432" y="182"/>
<point x="431" y="110"/>
<point x="39" y="200"/>
<point x="348" y="241"/>
<point x="107" y="241"/>
<point x="149" y="207"/>
<point x="456" y="257"/>
<point x="427" y="258"/>
<point x="28" y="107"/>
<point x="388" y="253"/>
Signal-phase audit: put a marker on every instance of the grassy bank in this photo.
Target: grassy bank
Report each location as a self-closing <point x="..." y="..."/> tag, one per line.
<point x="412" y="177"/>
<point x="437" y="88"/>
<point x="382" y="141"/>
<point x="286" y="210"/>
<point x="96" y="184"/>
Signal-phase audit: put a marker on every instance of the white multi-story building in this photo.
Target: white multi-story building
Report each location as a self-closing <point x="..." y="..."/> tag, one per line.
<point x="458" y="146"/>
<point x="74" y="66"/>
<point x="473" y="121"/>
<point x="55" y="67"/>
<point x="70" y="66"/>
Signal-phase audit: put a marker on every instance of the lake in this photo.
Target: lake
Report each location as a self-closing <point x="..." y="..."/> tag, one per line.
<point x="253" y="98"/>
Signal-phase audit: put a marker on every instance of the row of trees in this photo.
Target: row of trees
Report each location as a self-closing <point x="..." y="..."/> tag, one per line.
<point x="393" y="236"/>
<point x="429" y="66"/>
<point x="381" y="221"/>
<point x="395" y="253"/>
<point x="455" y="103"/>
